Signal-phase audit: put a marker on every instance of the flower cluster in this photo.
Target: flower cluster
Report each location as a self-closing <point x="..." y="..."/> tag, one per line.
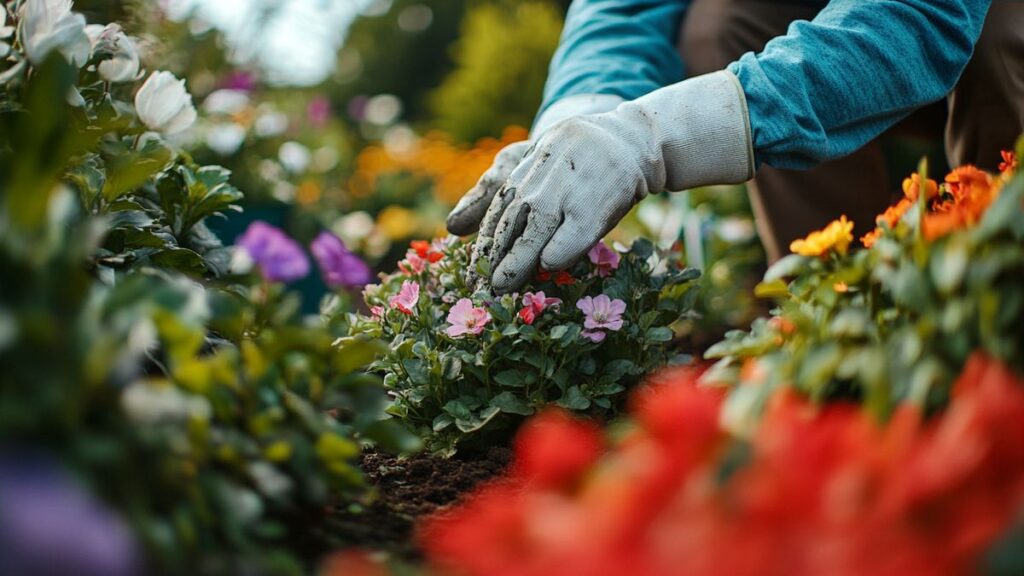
<point x="279" y="258"/>
<point x="893" y="323"/>
<point x="463" y="362"/>
<point x="814" y="491"/>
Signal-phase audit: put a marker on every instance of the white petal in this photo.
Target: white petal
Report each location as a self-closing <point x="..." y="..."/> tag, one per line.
<point x="183" y="121"/>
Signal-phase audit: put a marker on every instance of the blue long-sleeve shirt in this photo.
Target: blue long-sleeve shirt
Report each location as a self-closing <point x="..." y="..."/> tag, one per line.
<point x="820" y="92"/>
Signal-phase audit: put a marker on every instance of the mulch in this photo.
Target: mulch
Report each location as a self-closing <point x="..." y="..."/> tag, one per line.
<point x="407" y="490"/>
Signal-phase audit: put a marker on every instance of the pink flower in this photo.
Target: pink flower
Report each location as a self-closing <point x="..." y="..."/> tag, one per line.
<point x="465" y="319"/>
<point x="413" y="264"/>
<point x="535" y="304"/>
<point x="407" y="297"/>
<point x="602" y="313"/>
<point x="606" y="259"/>
<point x="377" y="312"/>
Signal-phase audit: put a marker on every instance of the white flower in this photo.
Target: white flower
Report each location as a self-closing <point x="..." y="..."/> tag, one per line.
<point x="48" y="25"/>
<point x="294" y="157"/>
<point x="227" y="102"/>
<point x="123" y="64"/>
<point x="225" y="139"/>
<point x="164" y="104"/>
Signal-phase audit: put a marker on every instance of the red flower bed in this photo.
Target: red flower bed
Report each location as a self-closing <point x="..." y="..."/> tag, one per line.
<point x="817" y="490"/>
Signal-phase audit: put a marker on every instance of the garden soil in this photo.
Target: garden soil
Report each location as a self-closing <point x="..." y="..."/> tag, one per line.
<point x="407" y="490"/>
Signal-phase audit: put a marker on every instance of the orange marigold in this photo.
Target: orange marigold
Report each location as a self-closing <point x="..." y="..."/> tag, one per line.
<point x="912" y="187"/>
<point x="836" y="236"/>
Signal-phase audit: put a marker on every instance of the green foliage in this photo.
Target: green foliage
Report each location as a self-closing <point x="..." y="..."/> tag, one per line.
<point x="891" y="324"/>
<point x="471" y="390"/>
<point x="502" y="60"/>
<point x="198" y="403"/>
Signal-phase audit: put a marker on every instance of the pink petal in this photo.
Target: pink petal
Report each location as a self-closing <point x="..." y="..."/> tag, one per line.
<point x="586" y="305"/>
<point x="618" y="307"/>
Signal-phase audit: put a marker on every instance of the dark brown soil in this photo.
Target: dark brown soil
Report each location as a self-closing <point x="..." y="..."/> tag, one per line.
<point x="407" y="490"/>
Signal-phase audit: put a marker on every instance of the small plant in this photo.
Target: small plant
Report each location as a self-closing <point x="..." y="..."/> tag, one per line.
<point x="894" y="323"/>
<point x="466" y="364"/>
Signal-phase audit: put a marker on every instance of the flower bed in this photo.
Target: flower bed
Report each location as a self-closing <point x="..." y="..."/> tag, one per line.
<point x="464" y="366"/>
<point x="873" y="425"/>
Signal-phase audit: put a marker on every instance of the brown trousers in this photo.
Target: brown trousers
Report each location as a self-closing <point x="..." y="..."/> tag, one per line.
<point x="983" y="115"/>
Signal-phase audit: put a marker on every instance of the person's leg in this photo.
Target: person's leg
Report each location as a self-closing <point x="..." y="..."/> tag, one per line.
<point x="986" y="109"/>
<point x="788" y="204"/>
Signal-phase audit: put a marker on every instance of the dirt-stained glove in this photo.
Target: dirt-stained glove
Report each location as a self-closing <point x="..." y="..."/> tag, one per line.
<point x="585" y="173"/>
<point x="465" y="218"/>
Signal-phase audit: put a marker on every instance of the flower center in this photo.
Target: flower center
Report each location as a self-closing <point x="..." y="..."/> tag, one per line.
<point x="600" y="316"/>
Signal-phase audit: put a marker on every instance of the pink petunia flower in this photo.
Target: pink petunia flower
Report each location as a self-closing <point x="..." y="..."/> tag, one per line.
<point x="407" y="297"/>
<point x="602" y="313"/>
<point x="606" y="259"/>
<point x="466" y="319"/>
<point x="534" y="305"/>
<point x="413" y="264"/>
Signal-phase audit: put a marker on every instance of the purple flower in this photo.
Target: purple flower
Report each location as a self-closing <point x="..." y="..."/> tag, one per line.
<point x="339" y="266"/>
<point x="280" y="258"/>
<point x="239" y="80"/>
<point x="604" y="258"/>
<point x="49" y="525"/>
<point x="602" y="313"/>
<point x="319" y="111"/>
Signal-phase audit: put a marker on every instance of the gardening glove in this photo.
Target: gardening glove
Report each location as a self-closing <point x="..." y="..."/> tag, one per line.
<point x="466" y="216"/>
<point x="585" y="173"/>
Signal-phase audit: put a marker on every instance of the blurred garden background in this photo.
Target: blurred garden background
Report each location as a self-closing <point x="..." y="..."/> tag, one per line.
<point x="371" y="118"/>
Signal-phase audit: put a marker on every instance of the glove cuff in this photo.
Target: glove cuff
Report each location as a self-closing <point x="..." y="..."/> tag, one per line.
<point x="570" y="106"/>
<point x="702" y="129"/>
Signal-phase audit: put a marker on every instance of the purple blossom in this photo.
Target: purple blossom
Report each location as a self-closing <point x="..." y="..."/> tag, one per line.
<point x="49" y="525"/>
<point x="605" y="259"/>
<point x="338" y="265"/>
<point x="602" y="313"/>
<point x="319" y="111"/>
<point x="239" y="80"/>
<point x="279" y="258"/>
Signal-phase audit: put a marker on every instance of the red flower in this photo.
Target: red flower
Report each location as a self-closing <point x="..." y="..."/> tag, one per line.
<point x="563" y="278"/>
<point x="425" y="250"/>
<point x="554" y="449"/>
<point x="1009" y="163"/>
<point x="528" y="315"/>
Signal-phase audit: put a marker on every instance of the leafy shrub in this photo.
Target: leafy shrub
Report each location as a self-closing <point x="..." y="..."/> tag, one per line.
<point x="896" y="322"/>
<point x="462" y="364"/>
<point x="193" y="399"/>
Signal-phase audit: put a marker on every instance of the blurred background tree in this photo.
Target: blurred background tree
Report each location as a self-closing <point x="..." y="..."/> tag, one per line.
<point x="501" y="60"/>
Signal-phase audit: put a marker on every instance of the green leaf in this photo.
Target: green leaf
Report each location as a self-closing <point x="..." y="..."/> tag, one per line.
<point x="511" y="378"/>
<point x="660" y="334"/>
<point x="574" y="399"/>
<point x="788" y="267"/>
<point x="511" y="404"/>
<point x="775" y="289"/>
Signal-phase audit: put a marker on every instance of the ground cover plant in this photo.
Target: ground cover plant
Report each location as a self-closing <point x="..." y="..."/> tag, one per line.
<point x="464" y="366"/>
<point x="163" y="406"/>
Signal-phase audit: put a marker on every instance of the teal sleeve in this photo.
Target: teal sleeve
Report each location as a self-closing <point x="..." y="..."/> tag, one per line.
<point x="620" y="47"/>
<point x="833" y="84"/>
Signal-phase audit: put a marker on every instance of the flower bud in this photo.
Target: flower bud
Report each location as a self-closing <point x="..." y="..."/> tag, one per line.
<point x="123" y="62"/>
<point x="164" y="105"/>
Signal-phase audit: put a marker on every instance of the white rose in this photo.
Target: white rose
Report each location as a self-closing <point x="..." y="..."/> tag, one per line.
<point x="164" y="104"/>
<point x="48" y="25"/>
<point x="123" y="65"/>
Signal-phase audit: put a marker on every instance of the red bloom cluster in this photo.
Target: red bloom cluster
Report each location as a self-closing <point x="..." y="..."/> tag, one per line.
<point x="561" y="278"/>
<point x="816" y="491"/>
<point x="426" y="251"/>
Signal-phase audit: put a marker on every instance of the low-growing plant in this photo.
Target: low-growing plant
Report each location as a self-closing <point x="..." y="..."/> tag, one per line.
<point x="465" y="365"/>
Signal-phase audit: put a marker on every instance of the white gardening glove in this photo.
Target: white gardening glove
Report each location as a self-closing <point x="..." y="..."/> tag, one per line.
<point x="466" y="216"/>
<point x="585" y="173"/>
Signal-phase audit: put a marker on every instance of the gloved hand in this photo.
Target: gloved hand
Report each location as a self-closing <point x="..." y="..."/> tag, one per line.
<point x="585" y="173"/>
<point x="466" y="216"/>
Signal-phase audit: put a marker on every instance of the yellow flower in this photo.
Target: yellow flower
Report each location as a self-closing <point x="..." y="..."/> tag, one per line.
<point x="836" y="236"/>
<point x="397" y="223"/>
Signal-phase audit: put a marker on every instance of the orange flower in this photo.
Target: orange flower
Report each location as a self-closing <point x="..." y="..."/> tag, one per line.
<point x="912" y="187"/>
<point x="841" y="287"/>
<point x="1009" y="163"/>
<point x="836" y="236"/>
